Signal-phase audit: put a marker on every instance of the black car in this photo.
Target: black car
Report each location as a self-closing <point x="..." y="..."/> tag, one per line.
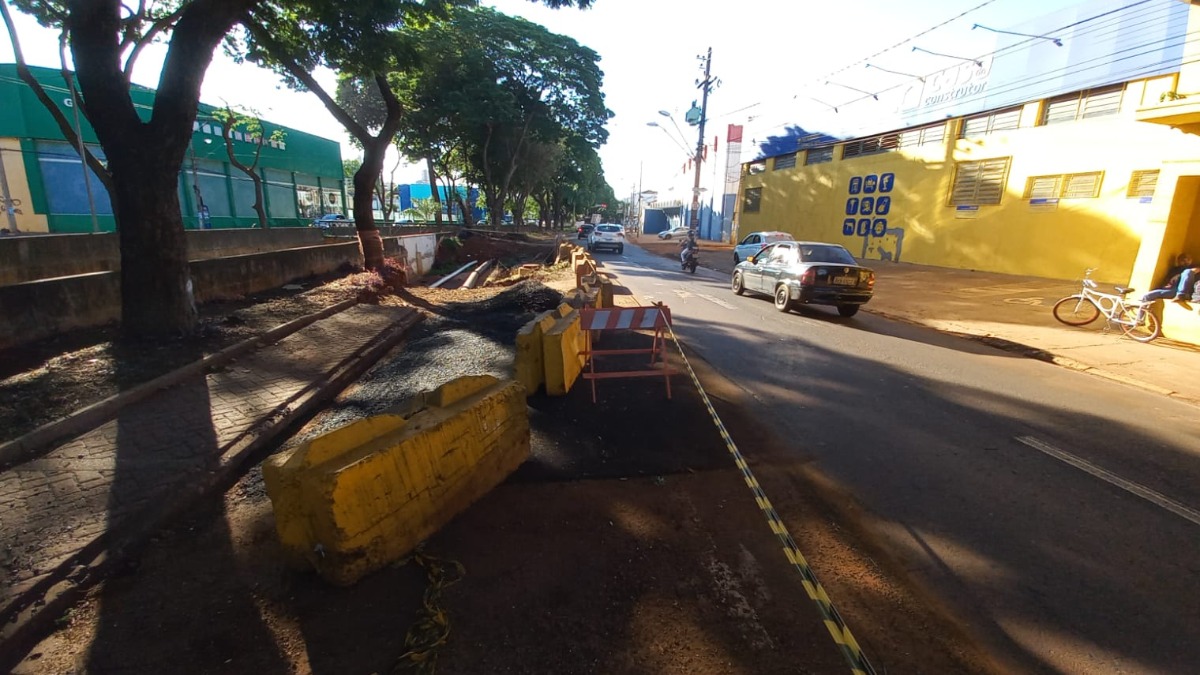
<point x="806" y="273"/>
<point x="584" y="231"/>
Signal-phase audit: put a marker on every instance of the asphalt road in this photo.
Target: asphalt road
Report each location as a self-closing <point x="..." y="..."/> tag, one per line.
<point x="1057" y="512"/>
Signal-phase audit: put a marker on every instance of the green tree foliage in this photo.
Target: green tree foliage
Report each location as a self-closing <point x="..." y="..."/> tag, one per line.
<point x="497" y="98"/>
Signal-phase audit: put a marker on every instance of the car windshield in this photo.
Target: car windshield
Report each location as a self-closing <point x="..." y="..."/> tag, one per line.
<point x="608" y="228"/>
<point x="827" y="254"/>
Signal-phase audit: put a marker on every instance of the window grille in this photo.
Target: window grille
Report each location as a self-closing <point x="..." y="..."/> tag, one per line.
<point x="819" y="155"/>
<point x="1082" y="105"/>
<point x="1043" y="187"/>
<point x="752" y="200"/>
<point x="785" y="161"/>
<point x="980" y="182"/>
<point x="1065" y="186"/>
<point x="923" y="136"/>
<point x="871" y="146"/>
<point x="1142" y="183"/>
<point x="990" y="123"/>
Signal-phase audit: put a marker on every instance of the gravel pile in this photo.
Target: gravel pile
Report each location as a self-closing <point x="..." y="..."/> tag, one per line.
<point x="463" y="339"/>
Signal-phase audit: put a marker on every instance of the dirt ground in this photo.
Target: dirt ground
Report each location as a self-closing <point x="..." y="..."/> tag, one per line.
<point x="628" y="543"/>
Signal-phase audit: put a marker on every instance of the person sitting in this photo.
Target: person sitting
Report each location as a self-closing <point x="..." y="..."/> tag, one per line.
<point x="687" y="245"/>
<point x="1180" y="279"/>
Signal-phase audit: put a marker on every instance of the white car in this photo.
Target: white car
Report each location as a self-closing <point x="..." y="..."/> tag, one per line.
<point x="674" y="232"/>
<point x="755" y="242"/>
<point x="607" y="235"/>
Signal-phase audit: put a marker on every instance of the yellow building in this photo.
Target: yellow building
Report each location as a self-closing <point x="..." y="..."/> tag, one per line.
<point x="1104" y="177"/>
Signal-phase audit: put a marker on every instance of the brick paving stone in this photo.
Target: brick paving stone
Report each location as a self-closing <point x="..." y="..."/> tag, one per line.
<point x="52" y="506"/>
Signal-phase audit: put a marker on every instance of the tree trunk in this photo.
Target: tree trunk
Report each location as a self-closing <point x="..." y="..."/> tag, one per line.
<point x="259" y="207"/>
<point x="433" y="189"/>
<point x="156" y="290"/>
<point x="364" y="218"/>
<point x="145" y="155"/>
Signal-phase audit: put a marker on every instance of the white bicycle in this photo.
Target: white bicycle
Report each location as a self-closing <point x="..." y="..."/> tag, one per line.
<point x="1133" y="316"/>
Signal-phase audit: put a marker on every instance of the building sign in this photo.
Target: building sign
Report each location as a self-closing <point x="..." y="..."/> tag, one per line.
<point x="966" y="212"/>
<point x="1043" y="204"/>
<point x="868" y="204"/>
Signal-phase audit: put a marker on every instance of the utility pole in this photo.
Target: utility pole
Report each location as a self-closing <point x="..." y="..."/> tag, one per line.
<point x="705" y="86"/>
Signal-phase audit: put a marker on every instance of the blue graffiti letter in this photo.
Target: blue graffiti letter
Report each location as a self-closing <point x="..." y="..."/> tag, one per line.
<point x="864" y="227"/>
<point x="869" y="184"/>
<point x="886" y="181"/>
<point x="879" y="228"/>
<point x="867" y="206"/>
<point x="848" y="227"/>
<point x="883" y="205"/>
<point x="855" y="185"/>
<point x="852" y="206"/>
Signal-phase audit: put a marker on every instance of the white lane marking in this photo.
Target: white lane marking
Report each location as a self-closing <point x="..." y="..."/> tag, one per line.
<point x="716" y="301"/>
<point x="682" y="293"/>
<point x="1160" y="500"/>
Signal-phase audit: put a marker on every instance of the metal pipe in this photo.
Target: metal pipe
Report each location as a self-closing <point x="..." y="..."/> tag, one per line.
<point x="478" y="275"/>
<point x="448" y="277"/>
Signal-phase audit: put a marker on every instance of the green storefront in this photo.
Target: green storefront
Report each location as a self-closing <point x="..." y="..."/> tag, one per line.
<point x="42" y="186"/>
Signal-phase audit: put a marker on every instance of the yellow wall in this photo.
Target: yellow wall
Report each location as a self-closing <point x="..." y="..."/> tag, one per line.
<point x="1012" y="237"/>
<point x="18" y="190"/>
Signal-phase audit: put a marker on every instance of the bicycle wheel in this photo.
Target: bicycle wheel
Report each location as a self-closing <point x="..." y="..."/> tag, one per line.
<point x="1143" y="328"/>
<point x="1076" y="310"/>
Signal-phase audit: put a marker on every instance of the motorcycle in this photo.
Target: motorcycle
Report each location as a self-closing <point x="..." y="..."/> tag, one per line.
<point x="688" y="261"/>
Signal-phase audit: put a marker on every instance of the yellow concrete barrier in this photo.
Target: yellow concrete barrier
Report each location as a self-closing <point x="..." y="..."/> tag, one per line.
<point x="358" y="498"/>
<point x="561" y="347"/>
<point x="529" y="365"/>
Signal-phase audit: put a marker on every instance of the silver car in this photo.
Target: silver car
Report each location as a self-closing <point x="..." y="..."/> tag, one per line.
<point x="607" y="235"/>
<point x="755" y="241"/>
<point x="806" y="273"/>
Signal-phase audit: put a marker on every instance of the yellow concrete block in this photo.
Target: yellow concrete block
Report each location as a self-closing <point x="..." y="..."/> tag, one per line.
<point x="561" y="347"/>
<point x="529" y="365"/>
<point x="368" y="505"/>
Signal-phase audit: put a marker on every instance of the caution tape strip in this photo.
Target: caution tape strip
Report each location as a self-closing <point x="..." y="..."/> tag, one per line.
<point x="816" y="592"/>
<point x="429" y="634"/>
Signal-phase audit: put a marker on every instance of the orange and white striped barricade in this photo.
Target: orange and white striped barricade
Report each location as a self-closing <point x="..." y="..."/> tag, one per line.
<point x="655" y="317"/>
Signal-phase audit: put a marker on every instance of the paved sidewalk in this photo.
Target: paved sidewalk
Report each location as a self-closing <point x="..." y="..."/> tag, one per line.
<point x="1014" y="312"/>
<point x="82" y="501"/>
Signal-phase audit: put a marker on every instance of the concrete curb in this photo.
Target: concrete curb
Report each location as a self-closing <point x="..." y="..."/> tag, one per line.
<point x="31" y="617"/>
<point x="1007" y="345"/>
<point x="31" y="445"/>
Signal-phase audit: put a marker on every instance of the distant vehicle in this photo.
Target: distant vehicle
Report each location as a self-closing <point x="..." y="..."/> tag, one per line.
<point x="607" y="235"/>
<point x="755" y="241"/>
<point x="329" y="220"/>
<point x="674" y="232"/>
<point x="584" y="231"/>
<point x="799" y="273"/>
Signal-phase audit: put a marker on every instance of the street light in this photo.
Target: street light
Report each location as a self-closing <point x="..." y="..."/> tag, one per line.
<point x="678" y="142"/>
<point x="667" y="115"/>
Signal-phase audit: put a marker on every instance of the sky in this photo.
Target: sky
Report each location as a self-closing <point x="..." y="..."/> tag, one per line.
<point x="779" y="62"/>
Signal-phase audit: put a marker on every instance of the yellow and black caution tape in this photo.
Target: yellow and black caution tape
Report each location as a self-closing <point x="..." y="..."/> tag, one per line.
<point x="833" y="620"/>
<point x="428" y="635"/>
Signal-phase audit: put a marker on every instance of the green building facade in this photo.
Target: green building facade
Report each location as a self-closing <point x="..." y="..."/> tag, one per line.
<point x="42" y="187"/>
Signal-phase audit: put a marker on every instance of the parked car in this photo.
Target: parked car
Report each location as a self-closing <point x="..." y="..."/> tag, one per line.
<point x="607" y="235"/>
<point x="674" y="232"/>
<point x="329" y="220"/>
<point x="805" y="272"/>
<point x="584" y="231"/>
<point x="755" y="241"/>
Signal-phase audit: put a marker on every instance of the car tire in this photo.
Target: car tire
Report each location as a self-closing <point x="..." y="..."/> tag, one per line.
<point x="847" y="310"/>
<point x="620" y="250"/>
<point x="739" y="286"/>
<point x="666" y="236"/>
<point x="783" y="298"/>
<point x="736" y="259"/>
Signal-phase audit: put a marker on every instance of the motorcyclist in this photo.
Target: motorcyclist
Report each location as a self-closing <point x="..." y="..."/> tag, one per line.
<point x="688" y="246"/>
